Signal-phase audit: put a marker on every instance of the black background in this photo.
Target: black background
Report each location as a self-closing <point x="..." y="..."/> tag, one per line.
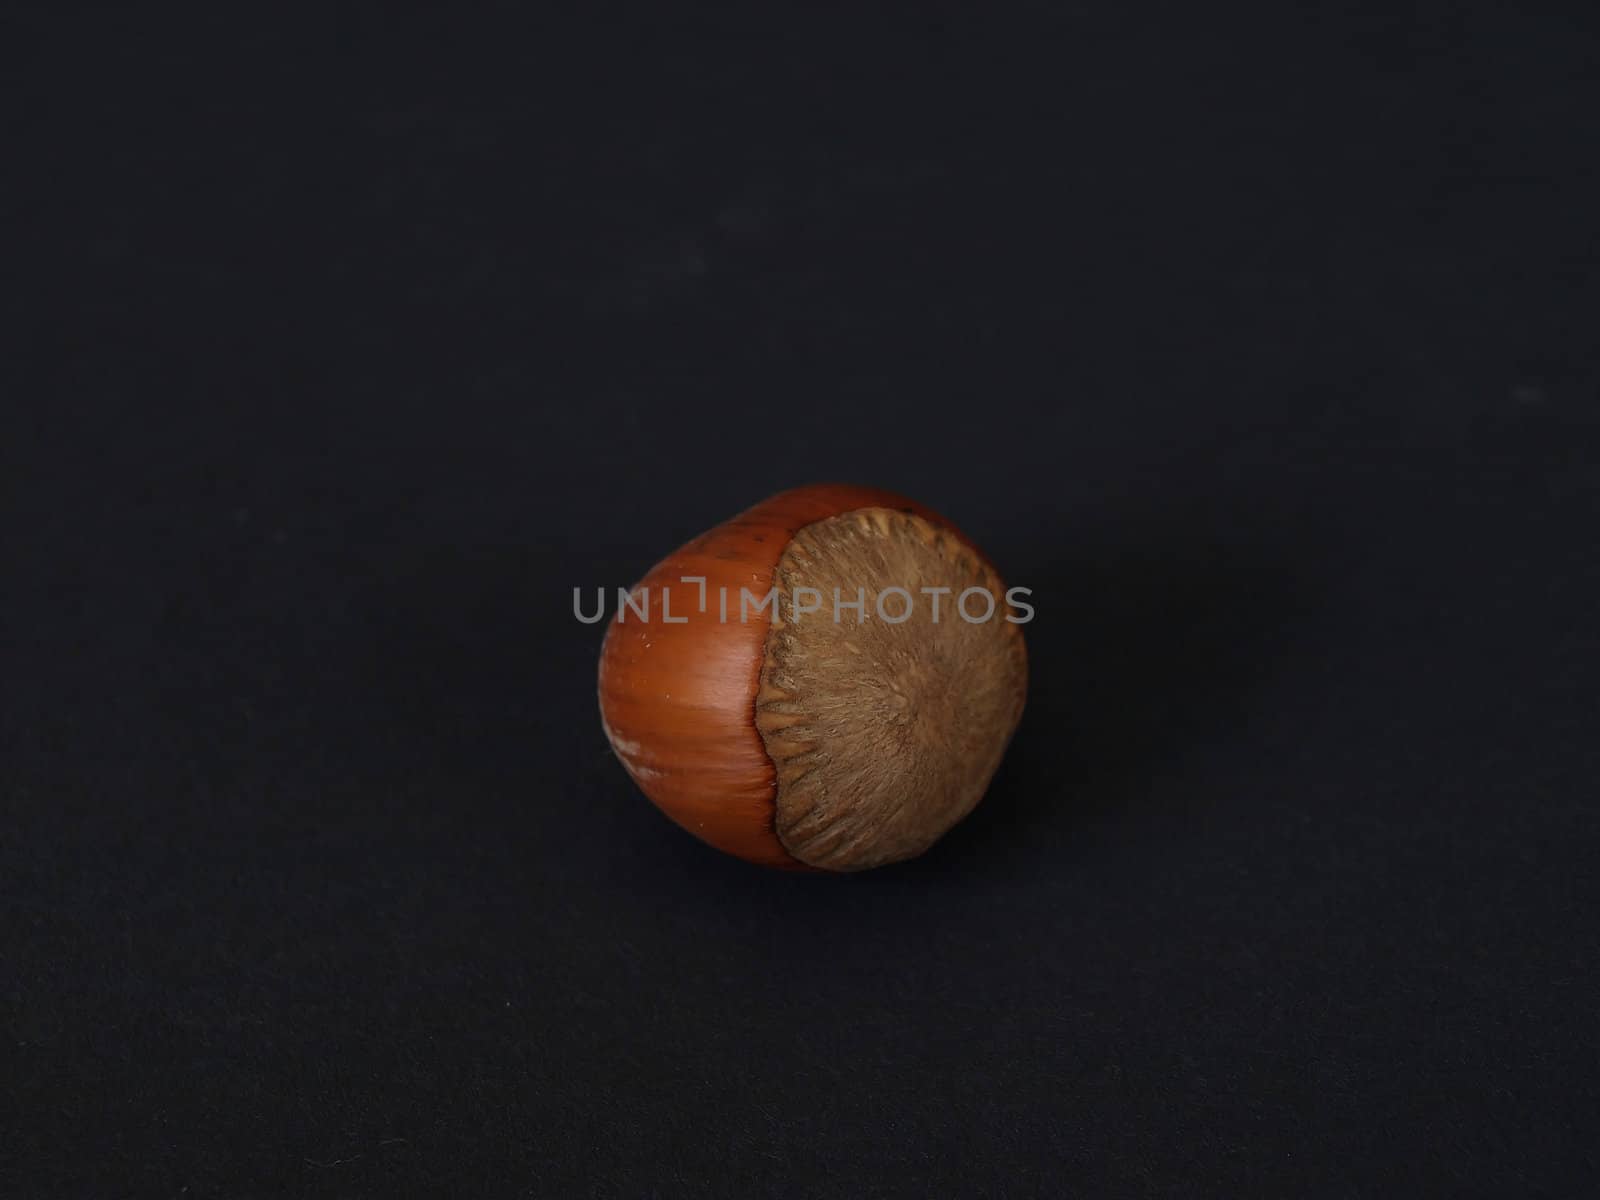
<point x="343" y="344"/>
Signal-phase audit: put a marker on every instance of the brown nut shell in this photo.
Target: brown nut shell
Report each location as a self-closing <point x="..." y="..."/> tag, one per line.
<point x="794" y="741"/>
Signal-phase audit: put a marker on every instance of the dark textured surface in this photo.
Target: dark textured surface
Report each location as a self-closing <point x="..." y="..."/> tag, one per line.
<point x="340" y="348"/>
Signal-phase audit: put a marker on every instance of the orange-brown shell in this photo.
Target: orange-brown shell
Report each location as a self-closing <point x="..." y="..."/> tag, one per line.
<point x="678" y="700"/>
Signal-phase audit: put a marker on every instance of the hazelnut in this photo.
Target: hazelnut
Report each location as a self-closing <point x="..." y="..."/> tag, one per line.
<point x="806" y="686"/>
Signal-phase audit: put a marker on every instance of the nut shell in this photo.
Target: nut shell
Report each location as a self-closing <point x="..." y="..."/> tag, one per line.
<point x="678" y="699"/>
